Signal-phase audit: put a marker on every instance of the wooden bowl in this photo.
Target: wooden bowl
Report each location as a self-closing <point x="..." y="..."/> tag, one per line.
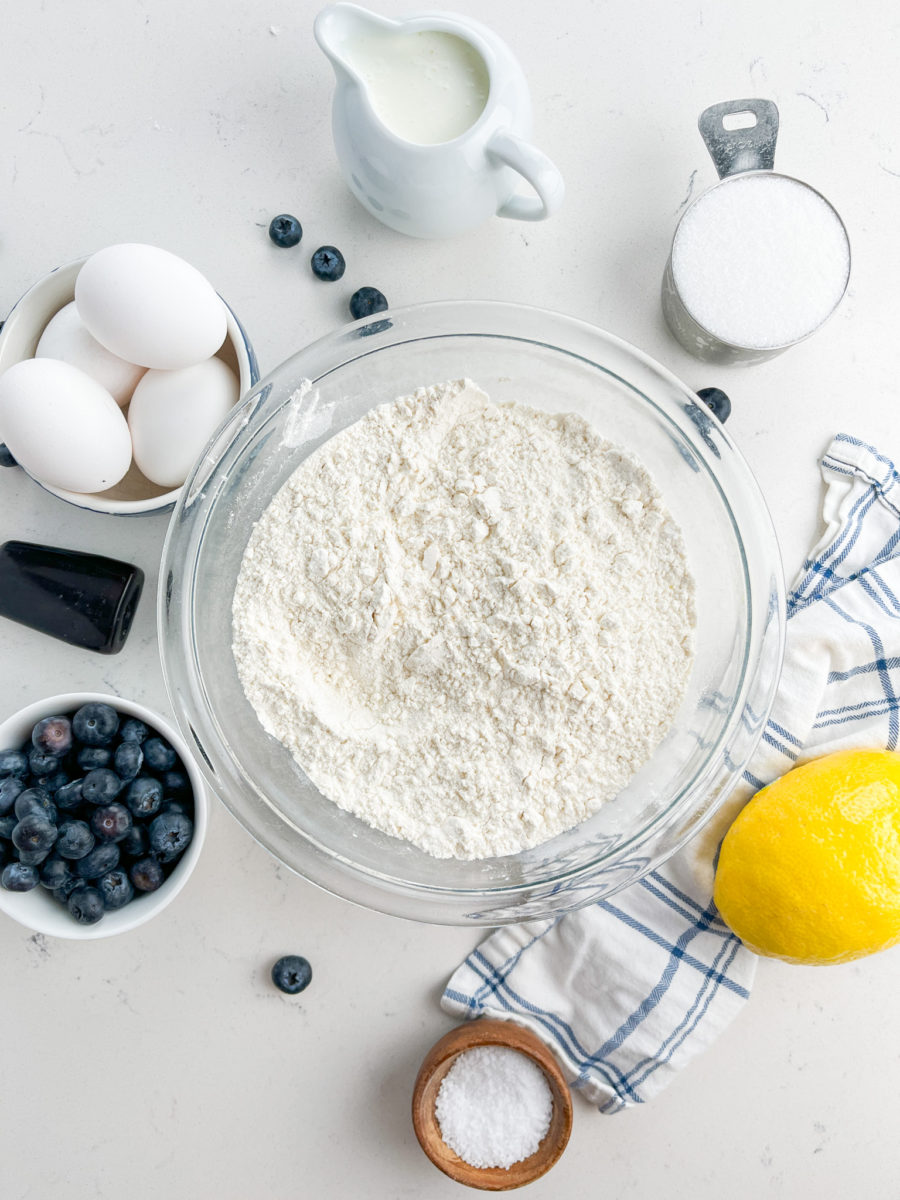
<point x="438" y="1061"/>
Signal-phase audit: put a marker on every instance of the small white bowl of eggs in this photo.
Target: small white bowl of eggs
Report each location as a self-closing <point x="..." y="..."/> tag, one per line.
<point x="115" y="371"/>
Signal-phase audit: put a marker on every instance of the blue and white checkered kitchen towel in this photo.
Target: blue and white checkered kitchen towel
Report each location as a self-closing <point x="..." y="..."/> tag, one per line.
<point x="627" y="991"/>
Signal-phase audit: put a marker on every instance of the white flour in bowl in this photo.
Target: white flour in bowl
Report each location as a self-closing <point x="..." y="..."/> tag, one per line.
<point x="470" y="623"/>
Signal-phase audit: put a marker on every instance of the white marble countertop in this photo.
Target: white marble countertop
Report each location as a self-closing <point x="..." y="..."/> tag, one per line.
<point x="163" y="1063"/>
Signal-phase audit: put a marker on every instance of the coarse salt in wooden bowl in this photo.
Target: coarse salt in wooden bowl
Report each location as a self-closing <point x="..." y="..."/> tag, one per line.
<point x="438" y="1061"/>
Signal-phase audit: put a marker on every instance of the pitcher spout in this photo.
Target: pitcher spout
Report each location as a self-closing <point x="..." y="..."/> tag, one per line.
<point x="339" y="25"/>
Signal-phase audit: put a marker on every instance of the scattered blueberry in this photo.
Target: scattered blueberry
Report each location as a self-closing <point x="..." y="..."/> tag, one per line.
<point x="292" y="974"/>
<point x="69" y="796"/>
<point x="127" y="760"/>
<point x="95" y="724"/>
<point x="10" y="789"/>
<point x="54" y="873"/>
<point x="285" y="230"/>
<point x="111" y="822"/>
<point x="53" y="735"/>
<point x="35" y="801"/>
<point x="40" y="763"/>
<point x="100" y="786"/>
<point x="328" y="263"/>
<point x="136" y="842"/>
<point x="13" y="762"/>
<point x="16" y="877"/>
<point x="75" y="840"/>
<point x="89" y="758"/>
<point x="6" y="458"/>
<point x="365" y="302"/>
<point x="115" y="888"/>
<point x="717" y="402"/>
<point x="144" y="796"/>
<point x="86" y="905"/>
<point x="159" y="755"/>
<point x="34" y="833"/>
<point x="101" y="859"/>
<point x="146" y="874"/>
<point x="170" y="835"/>
<point x="134" y="730"/>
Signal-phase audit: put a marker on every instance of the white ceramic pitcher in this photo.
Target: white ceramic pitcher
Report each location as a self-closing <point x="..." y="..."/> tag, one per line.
<point x="443" y="188"/>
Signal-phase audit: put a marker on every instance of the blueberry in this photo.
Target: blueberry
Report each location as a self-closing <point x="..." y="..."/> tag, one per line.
<point x="128" y="760"/>
<point x="54" y="873"/>
<point x="6" y="458"/>
<point x="89" y="758"/>
<point x="52" y="783"/>
<point x="101" y="859"/>
<point x="134" y="730"/>
<point x="717" y="402"/>
<point x="176" y="785"/>
<point x="170" y="835"/>
<point x="40" y="763"/>
<point x="365" y="302"/>
<point x="159" y="755"/>
<point x="136" y="842"/>
<point x="16" y="877"/>
<point x="6" y="853"/>
<point x="36" y="800"/>
<point x="13" y="762"/>
<point x="53" y="735"/>
<point x="144" y="796"/>
<point x="7" y="825"/>
<point x="285" y="230"/>
<point x="10" y="789"/>
<point x="174" y="806"/>
<point x="115" y="888"/>
<point x="146" y="874"/>
<point x="328" y="263"/>
<point x="111" y="822"/>
<point x="75" y="840"/>
<point x="69" y="885"/>
<point x="100" y="786"/>
<point x="34" y="833"/>
<point x="292" y="974"/>
<point x="32" y="858"/>
<point x="86" y="905"/>
<point x="95" y="724"/>
<point x="69" y="796"/>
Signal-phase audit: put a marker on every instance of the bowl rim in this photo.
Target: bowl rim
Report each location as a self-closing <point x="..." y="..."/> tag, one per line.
<point x="385" y="892"/>
<point x="15" y="904"/>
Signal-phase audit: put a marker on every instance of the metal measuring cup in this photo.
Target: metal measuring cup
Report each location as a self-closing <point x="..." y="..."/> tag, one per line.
<point x="735" y="153"/>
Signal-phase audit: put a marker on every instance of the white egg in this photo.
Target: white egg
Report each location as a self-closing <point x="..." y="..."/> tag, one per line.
<point x="173" y="415"/>
<point x="66" y="338"/>
<point x="62" y="426"/>
<point x="149" y="306"/>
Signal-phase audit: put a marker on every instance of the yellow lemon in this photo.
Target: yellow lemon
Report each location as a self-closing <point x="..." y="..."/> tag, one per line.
<point x="810" y="870"/>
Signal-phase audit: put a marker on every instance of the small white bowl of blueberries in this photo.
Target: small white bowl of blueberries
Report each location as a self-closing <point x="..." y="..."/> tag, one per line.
<point x="102" y="815"/>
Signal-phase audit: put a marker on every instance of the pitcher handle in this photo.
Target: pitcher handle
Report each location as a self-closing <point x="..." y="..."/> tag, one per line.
<point x="537" y="169"/>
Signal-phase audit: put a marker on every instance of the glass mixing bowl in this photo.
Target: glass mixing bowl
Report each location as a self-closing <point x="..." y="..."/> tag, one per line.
<point x="555" y="363"/>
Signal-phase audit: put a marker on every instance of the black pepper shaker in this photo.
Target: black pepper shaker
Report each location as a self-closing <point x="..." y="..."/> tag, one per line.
<point x="84" y="599"/>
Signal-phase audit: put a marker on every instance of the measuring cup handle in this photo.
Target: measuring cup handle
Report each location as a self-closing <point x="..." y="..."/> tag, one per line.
<point x="539" y="171"/>
<point x="736" y="150"/>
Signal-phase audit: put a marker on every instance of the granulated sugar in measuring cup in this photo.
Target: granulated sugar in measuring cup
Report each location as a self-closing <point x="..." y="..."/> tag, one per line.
<point x="759" y="261"/>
